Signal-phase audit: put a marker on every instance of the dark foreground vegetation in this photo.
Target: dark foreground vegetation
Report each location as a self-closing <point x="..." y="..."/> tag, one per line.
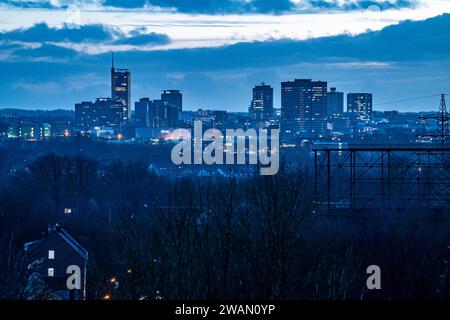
<point x="213" y="238"/>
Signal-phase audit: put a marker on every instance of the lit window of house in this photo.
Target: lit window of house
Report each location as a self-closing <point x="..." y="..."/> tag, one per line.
<point x="50" y="272"/>
<point x="51" y="254"/>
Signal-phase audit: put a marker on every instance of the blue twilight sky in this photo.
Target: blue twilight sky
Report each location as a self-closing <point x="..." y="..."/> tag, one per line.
<point x="54" y="53"/>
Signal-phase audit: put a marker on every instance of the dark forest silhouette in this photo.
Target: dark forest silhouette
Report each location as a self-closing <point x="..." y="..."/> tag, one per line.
<point x="210" y="237"/>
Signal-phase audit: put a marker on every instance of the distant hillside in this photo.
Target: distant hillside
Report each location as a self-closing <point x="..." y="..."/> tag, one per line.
<point x="58" y="113"/>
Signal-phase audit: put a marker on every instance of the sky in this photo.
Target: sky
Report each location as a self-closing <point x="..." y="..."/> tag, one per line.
<point x="54" y="53"/>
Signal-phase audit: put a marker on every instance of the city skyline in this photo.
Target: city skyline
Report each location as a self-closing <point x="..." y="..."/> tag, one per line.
<point x="221" y="157"/>
<point x="52" y="63"/>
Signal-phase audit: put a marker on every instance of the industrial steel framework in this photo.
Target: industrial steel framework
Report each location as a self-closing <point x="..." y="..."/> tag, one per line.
<point x="360" y="177"/>
<point x="442" y="119"/>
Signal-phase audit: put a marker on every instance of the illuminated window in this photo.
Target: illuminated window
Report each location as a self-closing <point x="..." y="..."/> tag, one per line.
<point x="50" y="272"/>
<point x="51" y="254"/>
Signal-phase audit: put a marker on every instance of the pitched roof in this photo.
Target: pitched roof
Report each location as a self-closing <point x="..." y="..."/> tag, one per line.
<point x="65" y="236"/>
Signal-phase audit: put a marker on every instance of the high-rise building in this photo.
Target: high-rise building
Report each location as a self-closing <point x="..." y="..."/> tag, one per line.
<point x="173" y="98"/>
<point x="121" y="89"/>
<point x="303" y="107"/>
<point x="360" y="105"/>
<point x="157" y="113"/>
<point x="261" y="107"/>
<point x="142" y="112"/>
<point x="107" y="112"/>
<point x="103" y="112"/>
<point x="168" y="115"/>
<point x="84" y="115"/>
<point x="335" y="101"/>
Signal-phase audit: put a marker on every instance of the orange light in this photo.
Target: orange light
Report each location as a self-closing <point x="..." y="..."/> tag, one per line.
<point x="129" y="270"/>
<point x="113" y="280"/>
<point x="119" y="136"/>
<point x="106" y="297"/>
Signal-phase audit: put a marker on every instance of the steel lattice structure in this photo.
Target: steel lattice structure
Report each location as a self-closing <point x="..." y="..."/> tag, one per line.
<point x="360" y="177"/>
<point x="442" y="119"/>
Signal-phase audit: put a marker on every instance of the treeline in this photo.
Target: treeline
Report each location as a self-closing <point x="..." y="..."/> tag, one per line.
<point x="213" y="238"/>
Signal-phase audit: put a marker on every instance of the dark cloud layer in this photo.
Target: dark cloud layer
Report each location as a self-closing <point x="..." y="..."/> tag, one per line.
<point x="405" y="42"/>
<point x="362" y="4"/>
<point x="94" y="33"/>
<point x="256" y="6"/>
<point x="416" y="55"/>
<point x="43" y="33"/>
<point x="141" y="39"/>
<point x="230" y="6"/>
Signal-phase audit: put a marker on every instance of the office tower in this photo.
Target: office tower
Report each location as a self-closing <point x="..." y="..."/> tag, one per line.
<point x="163" y="114"/>
<point x="154" y="120"/>
<point x="121" y="89"/>
<point x="303" y="107"/>
<point x="83" y="115"/>
<point x="168" y="116"/>
<point x="360" y="105"/>
<point x="173" y="98"/>
<point x="107" y="112"/>
<point x="261" y="107"/>
<point x="335" y="101"/>
<point x="142" y="112"/>
<point x="157" y="113"/>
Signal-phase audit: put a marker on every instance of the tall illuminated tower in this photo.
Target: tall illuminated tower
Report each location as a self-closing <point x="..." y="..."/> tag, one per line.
<point x="121" y="89"/>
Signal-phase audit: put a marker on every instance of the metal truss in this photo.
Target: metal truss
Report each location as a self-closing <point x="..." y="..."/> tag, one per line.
<point x="362" y="177"/>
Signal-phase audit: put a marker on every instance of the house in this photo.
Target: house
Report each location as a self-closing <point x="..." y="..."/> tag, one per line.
<point x="51" y="262"/>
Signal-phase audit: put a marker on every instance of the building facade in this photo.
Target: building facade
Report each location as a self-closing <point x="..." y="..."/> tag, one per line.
<point x="335" y="102"/>
<point x="121" y="90"/>
<point x="173" y="98"/>
<point x="103" y="112"/>
<point x="84" y="115"/>
<point x="303" y="107"/>
<point x="261" y="106"/>
<point x="142" y="112"/>
<point x="360" y="105"/>
<point x="51" y="260"/>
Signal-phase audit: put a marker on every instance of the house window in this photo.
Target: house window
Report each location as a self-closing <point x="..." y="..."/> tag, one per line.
<point x="51" y="254"/>
<point x="50" y="272"/>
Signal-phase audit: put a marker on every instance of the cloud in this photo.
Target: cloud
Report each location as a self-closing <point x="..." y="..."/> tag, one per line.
<point x="45" y="52"/>
<point x="42" y="4"/>
<point x="43" y="33"/>
<point x="260" y="6"/>
<point x="406" y="42"/>
<point x="209" y="6"/>
<point x="95" y="34"/>
<point x="139" y="38"/>
<point x="223" y="6"/>
<point x="362" y="4"/>
<point x="407" y="52"/>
